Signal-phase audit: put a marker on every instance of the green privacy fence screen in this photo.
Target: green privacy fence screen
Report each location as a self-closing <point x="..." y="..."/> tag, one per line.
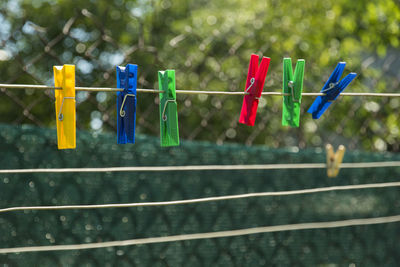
<point x="31" y="147"/>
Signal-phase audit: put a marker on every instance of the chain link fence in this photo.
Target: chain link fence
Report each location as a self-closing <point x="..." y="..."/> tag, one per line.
<point x="96" y="43"/>
<point x="209" y="45"/>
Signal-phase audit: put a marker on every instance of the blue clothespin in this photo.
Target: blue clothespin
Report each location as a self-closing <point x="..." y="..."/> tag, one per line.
<point x="332" y="89"/>
<point x="126" y="103"/>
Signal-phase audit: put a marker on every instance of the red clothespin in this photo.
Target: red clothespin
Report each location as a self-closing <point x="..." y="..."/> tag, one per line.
<point x="254" y="86"/>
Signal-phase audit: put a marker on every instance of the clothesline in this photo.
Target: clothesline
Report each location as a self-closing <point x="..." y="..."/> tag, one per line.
<point x="197" y="236"/>
<point x="379" y="164"/>
<point x="208" y="199"/>
<point x="195" y="92"/>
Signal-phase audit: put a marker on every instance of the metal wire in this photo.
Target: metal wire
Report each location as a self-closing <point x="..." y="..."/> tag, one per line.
<point x="163" y="116"/>
<point x="60" y="114"/>
<point x="195" y="92"/>
<point x="252" y="80"/>
<point x="122" y="111"/>
<point x="207" y="199"/>
<point x="381" y="164"/>
<point x="197" y="236"/>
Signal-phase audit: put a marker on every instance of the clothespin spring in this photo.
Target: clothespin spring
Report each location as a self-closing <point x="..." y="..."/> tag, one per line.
<point x="252" y="80"/>
<point x="291" y="86"/>
<point x="164" y="117"/>
<point x="122" y="111"/>
<point x="331" y="86"/>
<point x="60" y="115"/>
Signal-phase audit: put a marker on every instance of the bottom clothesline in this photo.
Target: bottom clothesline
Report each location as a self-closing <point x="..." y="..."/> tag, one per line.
<point x="199" y="236"/>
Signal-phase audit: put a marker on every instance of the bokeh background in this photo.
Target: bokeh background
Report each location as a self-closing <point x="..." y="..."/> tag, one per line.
<point x="33" y="147"/>
<point x="209" y="44"/>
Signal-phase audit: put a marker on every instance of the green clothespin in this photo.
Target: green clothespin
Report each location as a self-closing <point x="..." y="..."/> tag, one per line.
<point x="169" y="132"/>
<point x="294" y="87"/>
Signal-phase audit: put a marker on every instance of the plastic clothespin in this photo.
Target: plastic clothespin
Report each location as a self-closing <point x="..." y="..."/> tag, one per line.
<point x="254" y="86"/>
<point x="333" y="160"/>
<point x="126" y="103"/>
<point x="64" y="76"/>
<point x="293" y="85"/>
<point x="332" y="89"/>
<point x="169" y="131"/>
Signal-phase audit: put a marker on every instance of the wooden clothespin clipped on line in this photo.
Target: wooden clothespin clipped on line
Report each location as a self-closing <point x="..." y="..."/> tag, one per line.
<point x="333" y="160"/>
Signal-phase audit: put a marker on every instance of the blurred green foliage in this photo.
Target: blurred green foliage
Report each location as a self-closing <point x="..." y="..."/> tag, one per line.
<point x="209" y="44"/>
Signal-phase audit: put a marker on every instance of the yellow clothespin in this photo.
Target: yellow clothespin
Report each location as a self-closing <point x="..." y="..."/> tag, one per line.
<point x="333" y="160"/>
<point x="64" y="76"/>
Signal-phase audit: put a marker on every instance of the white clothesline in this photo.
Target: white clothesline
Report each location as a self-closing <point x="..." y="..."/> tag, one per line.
<point x="207" y="199"/>
<point x="197" y="236"/>
<point x="380" y="164"/>
<point x="196" y="92"/>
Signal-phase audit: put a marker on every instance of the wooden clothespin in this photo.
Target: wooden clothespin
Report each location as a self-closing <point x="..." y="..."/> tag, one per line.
<point x="333" y="160"/>
<point x="64" y="76"/>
